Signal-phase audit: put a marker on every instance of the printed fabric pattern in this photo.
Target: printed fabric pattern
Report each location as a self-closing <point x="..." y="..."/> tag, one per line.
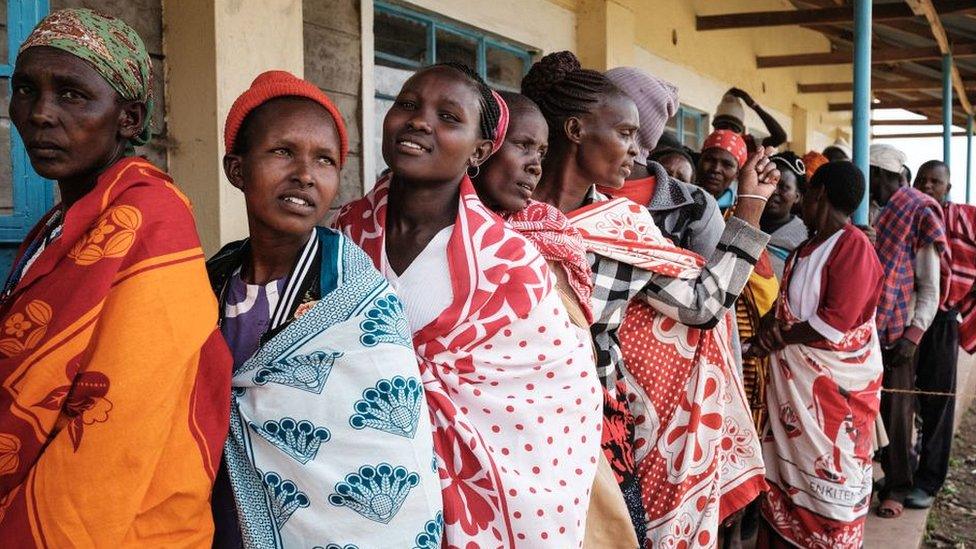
<point x="696" y="450"/>
<point x="114" y="375"/>
<point x="823" y="400"/>
<point x="514" y="400"/>
<point x="330" y="438"/>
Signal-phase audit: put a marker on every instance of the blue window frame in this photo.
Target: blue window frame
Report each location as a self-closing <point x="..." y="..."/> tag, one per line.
<point x="30" y="196"/>
<point x="690" y="126"/>
<point x="406" y="40"/>
<point x="435" y="41"/>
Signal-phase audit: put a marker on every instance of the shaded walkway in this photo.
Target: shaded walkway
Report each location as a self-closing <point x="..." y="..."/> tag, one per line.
<point x="908" y="531"/>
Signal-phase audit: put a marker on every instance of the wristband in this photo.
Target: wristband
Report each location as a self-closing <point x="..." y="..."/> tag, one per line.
<point x="754" y="196"/>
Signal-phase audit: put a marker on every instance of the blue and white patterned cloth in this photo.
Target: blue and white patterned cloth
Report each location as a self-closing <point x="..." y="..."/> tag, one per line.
<point x="330" y="442"/>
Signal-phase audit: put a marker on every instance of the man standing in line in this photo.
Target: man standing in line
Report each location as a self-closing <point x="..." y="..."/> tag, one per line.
<point x="910" y="238"/>
<point x="939" y="348"/>
<point x="731" y="115"/>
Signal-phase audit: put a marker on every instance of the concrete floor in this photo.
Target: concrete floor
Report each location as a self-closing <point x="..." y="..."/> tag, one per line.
<point x="907" y="531"/>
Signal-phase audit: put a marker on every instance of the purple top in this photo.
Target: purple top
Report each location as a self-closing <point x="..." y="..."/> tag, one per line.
<point x="247" y="315"/>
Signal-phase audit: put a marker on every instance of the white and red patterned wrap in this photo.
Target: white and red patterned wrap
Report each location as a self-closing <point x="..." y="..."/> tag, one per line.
<point x="697" y="451"/>
<point x="511" y="385"/>
<point x="823" y="400"/>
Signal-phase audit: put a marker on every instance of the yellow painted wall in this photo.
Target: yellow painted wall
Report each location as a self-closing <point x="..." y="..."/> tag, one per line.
<point x="728" y="58"/>
<point x="215" y="49"/>
<point x="608" y="33"/>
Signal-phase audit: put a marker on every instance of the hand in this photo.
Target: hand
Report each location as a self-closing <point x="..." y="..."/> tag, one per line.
<point x="733" y="518"/>
<point x="770" y="336"/>
<point x="758" y="177"/>
<point x="743" y="95"/>
<point x="904" y="352"/>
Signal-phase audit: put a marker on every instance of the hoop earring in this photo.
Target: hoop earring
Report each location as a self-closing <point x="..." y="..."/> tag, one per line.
<point x="477" y="171"/>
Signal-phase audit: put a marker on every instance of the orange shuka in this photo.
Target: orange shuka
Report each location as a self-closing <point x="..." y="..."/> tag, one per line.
<point x="114" y="381"/>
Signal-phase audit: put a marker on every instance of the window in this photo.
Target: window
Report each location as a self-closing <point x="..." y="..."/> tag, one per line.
<point x="24" y="195"/>
<point x="406" y="40"/>
<point x="690" y="126"/>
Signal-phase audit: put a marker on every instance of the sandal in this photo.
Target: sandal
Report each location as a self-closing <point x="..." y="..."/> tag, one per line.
<point x="889" y="509"/>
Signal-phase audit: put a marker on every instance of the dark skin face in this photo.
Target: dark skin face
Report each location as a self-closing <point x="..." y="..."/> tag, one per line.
<point x="717" y="169"/>
<point x="607" y="140"/>
<point x="811" y="207"/>
<point x="289" y="174"/>
<point x="883" y="185"/>
<point x="934" y="181"/>
<point x="783" y="198"/>
<point x="73" y="123"/>
<point x="511" y="174"/>
<point x="726" y="123"/>
<point x="834" y="154"/>
<point x="431" y="134"/>
<point x="677" y="167"/>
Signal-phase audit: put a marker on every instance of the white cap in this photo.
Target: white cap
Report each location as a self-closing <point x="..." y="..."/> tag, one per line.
<point x="843" y="145"/>
<point x="887" y="157"/>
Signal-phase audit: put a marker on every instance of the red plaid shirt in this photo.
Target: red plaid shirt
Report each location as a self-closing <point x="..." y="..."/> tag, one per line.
<point x="910" y="221"/>
<point x="960" y="220"/>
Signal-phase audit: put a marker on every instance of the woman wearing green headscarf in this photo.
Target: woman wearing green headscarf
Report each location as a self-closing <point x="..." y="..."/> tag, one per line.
<point x="115" y="382"/>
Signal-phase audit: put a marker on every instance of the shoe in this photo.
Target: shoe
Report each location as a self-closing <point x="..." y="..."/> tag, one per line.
<point x="919" y="499"/>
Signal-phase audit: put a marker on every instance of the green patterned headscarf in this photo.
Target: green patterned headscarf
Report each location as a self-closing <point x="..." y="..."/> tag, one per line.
<point x="112" y="48"/>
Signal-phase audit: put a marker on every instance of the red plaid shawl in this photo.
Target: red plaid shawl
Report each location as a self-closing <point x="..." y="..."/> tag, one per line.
<point x="960" y="220"/>
<point x="910" y="221"/>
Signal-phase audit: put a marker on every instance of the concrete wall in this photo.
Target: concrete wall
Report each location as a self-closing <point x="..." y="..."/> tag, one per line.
<point x="333" y="62"/>
<point x="205" y="52"/>
<point x="146" y="18"/>
<point x="215" y="48"/>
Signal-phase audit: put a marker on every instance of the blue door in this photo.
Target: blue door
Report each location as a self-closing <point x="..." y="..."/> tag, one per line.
<point x="24" y="195"/>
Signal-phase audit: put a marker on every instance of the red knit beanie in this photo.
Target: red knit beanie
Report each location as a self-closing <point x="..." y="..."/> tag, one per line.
<point x="271" y="84"/>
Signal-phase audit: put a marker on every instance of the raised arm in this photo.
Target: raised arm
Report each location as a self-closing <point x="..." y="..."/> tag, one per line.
<point x="777" y="135"/>
<point x="702" y="301"/>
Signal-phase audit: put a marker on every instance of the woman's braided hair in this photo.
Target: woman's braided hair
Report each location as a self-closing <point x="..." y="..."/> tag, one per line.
<point x="562" y="88"/>
<point x="490" y="111"/>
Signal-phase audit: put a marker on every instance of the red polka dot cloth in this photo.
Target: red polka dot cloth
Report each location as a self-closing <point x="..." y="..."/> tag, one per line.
<point x="697" y="451"/>
<point x="512" y="388"/>
<point x="728" y="141"/>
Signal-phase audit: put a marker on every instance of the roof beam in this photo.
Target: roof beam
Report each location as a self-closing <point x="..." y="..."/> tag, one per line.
<point x="910" y="135"/>
<point x="845" y="14"/>
<point x="903" y="104"/>
<point x="879" y="56"/>
<point x="927" y="8"/>
<point x="911" y="122"/>
<point x="876" y="85"/>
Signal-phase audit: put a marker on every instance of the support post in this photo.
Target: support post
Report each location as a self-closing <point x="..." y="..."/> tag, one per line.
<point x="969" y="156"/>
<point x="862" y="98"/>
<point x="946" y="107"/>
<point x="209" y="62"/>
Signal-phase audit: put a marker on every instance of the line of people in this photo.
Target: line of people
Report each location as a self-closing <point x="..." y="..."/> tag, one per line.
<point x="542" y="327"/>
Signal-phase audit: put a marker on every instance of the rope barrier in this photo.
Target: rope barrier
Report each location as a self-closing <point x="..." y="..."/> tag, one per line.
<point x="926" y="393"/>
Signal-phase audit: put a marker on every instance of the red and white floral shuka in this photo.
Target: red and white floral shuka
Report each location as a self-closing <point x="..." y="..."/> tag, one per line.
<point x="510" y="382"/>
<point x="697" y="451"/>
<point x="823" y="397"/>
